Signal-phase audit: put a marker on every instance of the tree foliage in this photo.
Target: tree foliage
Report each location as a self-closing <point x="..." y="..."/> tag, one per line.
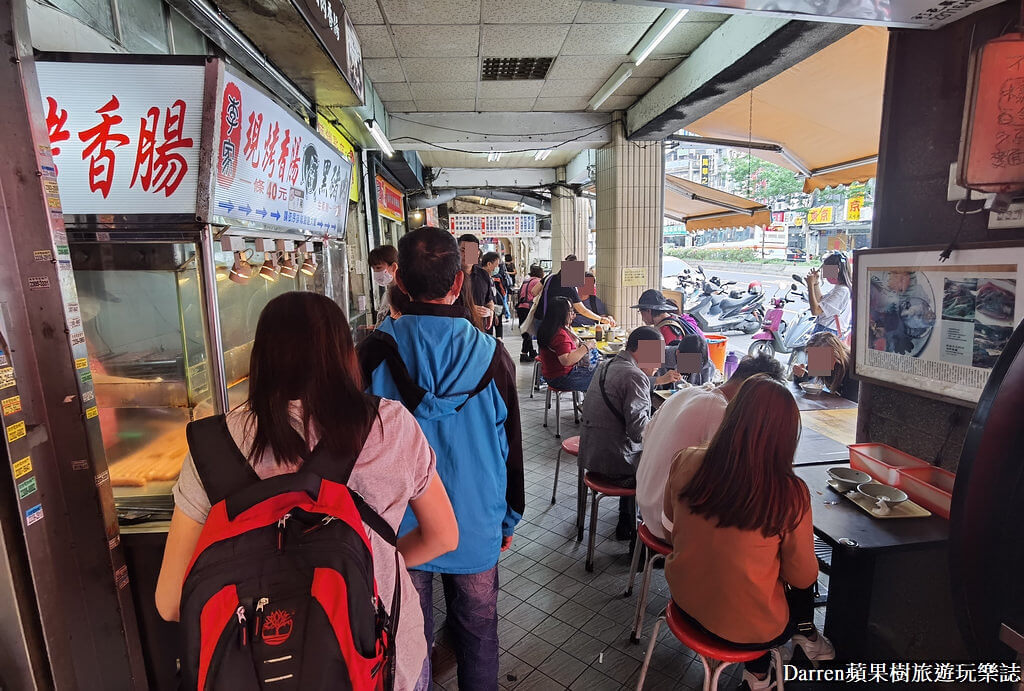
<point x="760" y="180"/>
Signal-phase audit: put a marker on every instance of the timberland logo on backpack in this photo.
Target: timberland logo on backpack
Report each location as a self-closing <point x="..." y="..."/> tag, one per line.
<point x="277" y="627"/>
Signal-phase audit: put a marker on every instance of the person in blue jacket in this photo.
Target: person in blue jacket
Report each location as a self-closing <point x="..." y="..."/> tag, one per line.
<point x="460" y="384"/>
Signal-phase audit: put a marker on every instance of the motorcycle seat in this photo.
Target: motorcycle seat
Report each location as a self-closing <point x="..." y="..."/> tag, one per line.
<point x="728" y="304"/>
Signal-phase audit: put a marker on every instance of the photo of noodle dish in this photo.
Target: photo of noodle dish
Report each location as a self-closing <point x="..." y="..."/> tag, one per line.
<point x="901" y="311"/>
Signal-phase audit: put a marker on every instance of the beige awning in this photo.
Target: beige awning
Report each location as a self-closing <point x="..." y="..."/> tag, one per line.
<point x="825" y="112"/>
<point x="702" y="208"/>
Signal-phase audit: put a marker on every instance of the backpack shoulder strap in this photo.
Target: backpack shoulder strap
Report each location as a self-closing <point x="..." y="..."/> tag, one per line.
<point x="321" y="463"/>
<point x="380" y="347"/>
<point x="604" y="394"/>
<point x="486" y="379"/>
<point x="222" y="467"/>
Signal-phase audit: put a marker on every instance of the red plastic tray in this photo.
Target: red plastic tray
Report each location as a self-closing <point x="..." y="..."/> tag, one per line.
<point x="930" y="487"/>
<point x="883" y="462"/>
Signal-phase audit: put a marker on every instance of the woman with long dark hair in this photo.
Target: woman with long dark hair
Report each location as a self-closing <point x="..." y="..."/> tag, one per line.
<point x="834" y="310"/>
<point x="838" y="381"/>
<point x="742" y="567"/>
<point x="565" y="361"/>
<point x="305" y="389"/>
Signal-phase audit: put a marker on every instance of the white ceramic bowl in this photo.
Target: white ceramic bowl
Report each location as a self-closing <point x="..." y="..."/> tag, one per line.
<point x="876" y="491"/>
<point x="812" y="388"/>
<point x="848" y="478"/>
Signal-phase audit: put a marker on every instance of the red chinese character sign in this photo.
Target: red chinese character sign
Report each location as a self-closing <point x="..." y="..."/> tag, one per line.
<point x="125" y="138"/>
<point x="271" y="168"/>
<point x="992" y="146"/>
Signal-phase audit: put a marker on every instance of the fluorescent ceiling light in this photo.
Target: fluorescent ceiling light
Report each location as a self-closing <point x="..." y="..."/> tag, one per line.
<point x="378" y="136"/>
<point x="494" y="156"/>
<point x="542" y="154"/>
<point x="613" y="83"/>
<point x="656" y="34"/>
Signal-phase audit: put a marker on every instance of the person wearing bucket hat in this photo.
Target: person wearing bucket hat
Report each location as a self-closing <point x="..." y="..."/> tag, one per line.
<point x="658" y="311"/>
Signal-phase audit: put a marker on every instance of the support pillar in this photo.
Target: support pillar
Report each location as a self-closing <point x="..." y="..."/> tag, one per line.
<point x="630" y="210"/>
<point x="569" y="216"/>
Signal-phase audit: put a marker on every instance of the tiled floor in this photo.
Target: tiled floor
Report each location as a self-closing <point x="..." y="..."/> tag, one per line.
<point x="561" y="627"/>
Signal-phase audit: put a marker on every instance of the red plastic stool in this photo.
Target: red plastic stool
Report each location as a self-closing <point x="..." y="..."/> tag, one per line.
<point x="654" y="548"/>
<point x="599" y="490"/>
<point x="570" y="446"/>
<point x="715" y="656"/>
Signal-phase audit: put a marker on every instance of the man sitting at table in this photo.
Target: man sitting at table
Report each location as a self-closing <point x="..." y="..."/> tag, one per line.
<point x="588" y="296"/>
<point x="689" y="417"/>
<point x="658" y="311"/>
<point x="615" y="411"/>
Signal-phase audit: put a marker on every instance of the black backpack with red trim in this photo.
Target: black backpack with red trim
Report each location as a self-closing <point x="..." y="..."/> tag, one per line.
<point x="280" y="594"/>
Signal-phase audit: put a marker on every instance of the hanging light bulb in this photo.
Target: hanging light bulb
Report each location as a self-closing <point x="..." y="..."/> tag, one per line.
<point x="288" y="268"/>
<point x="222" y="273"/>
<point x="241" y="269"/>
<point x="269" y="270"/>
<point x="309" y="265"/>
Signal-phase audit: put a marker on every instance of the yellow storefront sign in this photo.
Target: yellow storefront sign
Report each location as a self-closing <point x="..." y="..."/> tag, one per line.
<point x="819" y="215"/>
<point x="338" y="141"/>
<point x="853" y="208"/>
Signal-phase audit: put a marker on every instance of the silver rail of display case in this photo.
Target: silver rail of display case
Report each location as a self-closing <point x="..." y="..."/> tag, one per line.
<point x="211" y="321"/>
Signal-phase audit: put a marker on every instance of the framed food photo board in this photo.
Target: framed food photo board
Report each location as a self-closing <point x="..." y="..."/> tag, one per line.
<point x="931" y="327"/>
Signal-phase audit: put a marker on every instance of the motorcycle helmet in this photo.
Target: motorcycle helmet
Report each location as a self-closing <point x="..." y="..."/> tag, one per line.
<point x="755" y="288"/>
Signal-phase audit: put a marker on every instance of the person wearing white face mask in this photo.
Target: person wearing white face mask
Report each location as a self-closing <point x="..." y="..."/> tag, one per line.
<point x="383" y="263"/>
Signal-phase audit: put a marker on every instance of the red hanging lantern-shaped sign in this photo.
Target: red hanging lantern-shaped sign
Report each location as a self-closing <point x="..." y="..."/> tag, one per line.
<point x="992" y="144"/>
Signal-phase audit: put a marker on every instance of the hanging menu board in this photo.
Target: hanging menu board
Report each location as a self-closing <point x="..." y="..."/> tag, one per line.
<point x="494" y="225"/>
<point x="271" y="168"/>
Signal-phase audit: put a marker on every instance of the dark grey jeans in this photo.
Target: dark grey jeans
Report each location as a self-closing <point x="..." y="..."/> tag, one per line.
<point x="471" y="601"/>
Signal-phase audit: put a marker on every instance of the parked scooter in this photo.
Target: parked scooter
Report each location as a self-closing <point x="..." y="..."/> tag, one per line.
<point x="717" y="312"/>
<point x="781" y="336"/>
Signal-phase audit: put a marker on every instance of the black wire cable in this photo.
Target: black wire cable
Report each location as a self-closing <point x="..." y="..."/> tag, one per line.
<point x="493" y="134"/>
<point x="511" y="151"/>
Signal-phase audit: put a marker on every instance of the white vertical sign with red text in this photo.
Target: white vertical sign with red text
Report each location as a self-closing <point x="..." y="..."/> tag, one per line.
<point x="125" y="138"/>
<point x="271" y="168"/>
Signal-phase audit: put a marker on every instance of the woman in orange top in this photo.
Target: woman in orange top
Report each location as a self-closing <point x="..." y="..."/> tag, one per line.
<point x="742" y="567"/>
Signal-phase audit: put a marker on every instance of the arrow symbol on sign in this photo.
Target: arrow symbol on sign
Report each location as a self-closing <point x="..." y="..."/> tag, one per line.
<point x="226" y="205"/>
<point x="276" y="215"/>
<point x="262" y="212"/>
<point x="320" y="224"/>
<point x="245" y="209"/>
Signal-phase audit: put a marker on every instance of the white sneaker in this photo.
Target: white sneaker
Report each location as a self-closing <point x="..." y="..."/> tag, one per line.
<point x="751" y="682"/>
<point x="818" y="649"/>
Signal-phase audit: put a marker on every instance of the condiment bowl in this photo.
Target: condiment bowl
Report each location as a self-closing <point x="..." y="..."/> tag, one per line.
<point x="876" y="492"/>
<point x="812" y="388"/>
<point x="848" y="478"/>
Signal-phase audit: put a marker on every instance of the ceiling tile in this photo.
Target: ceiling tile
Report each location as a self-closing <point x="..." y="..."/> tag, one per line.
<point x="375" y="41"/>
<point x="557" y="104"/>
<point x="401" y="107"/>
<point x="636" y="86"/>
<point x="520" y="88"/>
<point x="441" y="69"/>
<point x="530" y="11"/>
<point x="433" y="12"/>
<point x="437" y="41"/>
<point x="384" y="70"/>
<point x="433" y="91"/>
<point x="602" y="39"/>
<point x="432" y="106"/>
<point x="655" y="67"/>
<point x="504" y="104"/>
<point x="585" y="67"/>
<point x="616" y="13"/>
<point x="364" y="11"/>
<point x="519" y="40"/>
<point x="687" y="35"/>
<point x="396" y="91"/>
<point x="566" y="88"/>
<point x="617" y="103"/>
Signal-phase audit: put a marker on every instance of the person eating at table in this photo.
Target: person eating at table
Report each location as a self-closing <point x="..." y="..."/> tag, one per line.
<point x="616" y="410"/>
<point x="552" y="287"/>
<point x="690" y="417"/>
<point x="566" y="362"/>
<point x="658" y="311"/>
<point x="838" y="380"/>
<point x="588" y="295"/>
<point x="742" y="567"/>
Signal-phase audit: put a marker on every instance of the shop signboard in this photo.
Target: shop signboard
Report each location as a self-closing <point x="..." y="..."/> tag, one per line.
<point x="389" y="201"/>
<point x="333" y="27"/>
<point x="430" y="215"/>
<point x="271" y="168"/>
<point x="494" y="225"/>
<point x="854" y="207"/>
<point x="125" y="138"/>
<point x="333" y="135"/>
<point x="705" y="169"/>
<point x="819" y="215"/>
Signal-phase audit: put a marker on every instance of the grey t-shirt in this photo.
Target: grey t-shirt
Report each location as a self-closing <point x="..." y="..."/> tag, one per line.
<point x="394" y="467"/>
